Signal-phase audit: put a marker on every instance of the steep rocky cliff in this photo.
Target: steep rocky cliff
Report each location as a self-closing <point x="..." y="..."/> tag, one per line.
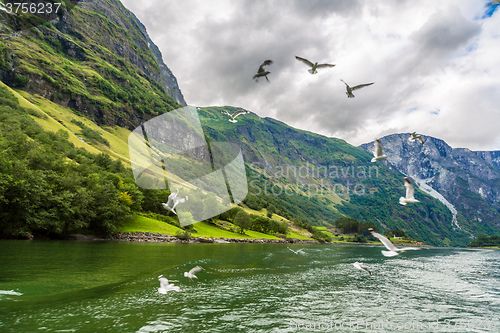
<point x="467" y="182"/>
<point x="97" y="59"/>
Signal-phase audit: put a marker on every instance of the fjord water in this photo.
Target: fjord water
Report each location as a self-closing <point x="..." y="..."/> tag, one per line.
<point x="112" y="287"/>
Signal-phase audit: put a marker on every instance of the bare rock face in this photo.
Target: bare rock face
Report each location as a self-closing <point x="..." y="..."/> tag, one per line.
<point x="468" y="180"/>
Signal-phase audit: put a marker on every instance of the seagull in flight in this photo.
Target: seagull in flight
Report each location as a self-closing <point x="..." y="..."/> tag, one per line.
<point x="414" y="136"/>
<point x="314" y="66"/>
<point x="350" y="89"/>
<point x="234" y="115"/>
<point x="165" y="286"/>
<point x="262" y="72"/>
<point x="393" y="250"/>
<point x="377" y="153"/>
<point x="191" y="273"/>
<point x="409" y="198"/>
<point x="173" y="201"/>
<point x="296" y="252"/>
<point x="360" y="265"/>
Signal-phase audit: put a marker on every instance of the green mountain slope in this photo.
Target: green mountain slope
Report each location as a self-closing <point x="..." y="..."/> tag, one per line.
<point x="316" y="179"/>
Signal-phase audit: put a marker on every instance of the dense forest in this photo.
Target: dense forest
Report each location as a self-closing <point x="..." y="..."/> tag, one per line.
<point x="48" y="187"/>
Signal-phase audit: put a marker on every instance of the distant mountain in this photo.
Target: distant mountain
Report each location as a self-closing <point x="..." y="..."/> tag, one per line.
<point x="317" y="179"/>
<point x="467" y="182"/>
<point x="96" y="59"/>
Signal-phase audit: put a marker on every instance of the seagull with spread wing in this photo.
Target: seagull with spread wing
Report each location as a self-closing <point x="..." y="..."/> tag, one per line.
<point x="262" y="72"/>
<point x="360" y="265"/>
<point x="314" y="66"/>
<point x="410" y="191"/>
<point x="377" y="153"/>
<point x="296" y="252"/>
<point x="393" y="250"/>
<point x="414" y="136"/>
<point x="165" y="286"/>
<point x="173" y="201"/>
<point x="191" y="273"/>
<point x="234" y="115"/>
<point x="350" y="89"/>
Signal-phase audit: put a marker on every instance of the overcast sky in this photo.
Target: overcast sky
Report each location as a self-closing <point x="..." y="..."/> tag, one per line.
<point x="435" y="64"/>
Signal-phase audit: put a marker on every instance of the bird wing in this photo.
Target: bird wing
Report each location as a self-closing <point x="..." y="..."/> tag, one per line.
<point x="237" y="113"/>
<point x="409" y="248"/>
<point x="387" y="243"/>
<point x="420" y="139"/>
<point x="345" y="83"/>
<point x="266" y="63"/>
<point x="378" y="148"/>
<point x="409" y="189"/>
<point x="324" y="65"/>
<point x="390" y="253"/>
<point x="359" y="86"/>
<point x="173" y="287"/>
<point x="291" y="250"/>
<point x="225" y="112"/>
<point x="305" y="61"/>
<point x="195" y="269"/>
<point x="181" y="200"/>
<point x="172" y="196"/>
<point x="163" y="283"/>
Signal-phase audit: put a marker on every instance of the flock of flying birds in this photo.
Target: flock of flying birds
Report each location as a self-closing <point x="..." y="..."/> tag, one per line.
<point x="261" y="72"/>
<point x="408" y="198"/>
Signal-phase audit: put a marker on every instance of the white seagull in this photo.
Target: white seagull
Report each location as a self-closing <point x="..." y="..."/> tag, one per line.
<point x="377" y="153"/>
<point x="359" y="265"/>
<point x="165" y="286"/>
<point x="409" y="194"/>
<point x="313" y="66"/>
<point x="234" y="115"/>
<point x="296" y="252"/>
<point x="350" y="89"/>
<point x="414" y="136"/>
<point x="190" y="274"/>
<point x="262" y="72"/>
<point x="172" y="201"/>
<point x="393" y="250"/>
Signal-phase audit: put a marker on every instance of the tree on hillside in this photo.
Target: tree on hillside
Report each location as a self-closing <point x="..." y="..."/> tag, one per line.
<point x="243" y="221"/>
<point x="270" y="211"/>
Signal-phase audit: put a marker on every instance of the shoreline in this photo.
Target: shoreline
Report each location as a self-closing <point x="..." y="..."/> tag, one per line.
<point x="151" y="237"/>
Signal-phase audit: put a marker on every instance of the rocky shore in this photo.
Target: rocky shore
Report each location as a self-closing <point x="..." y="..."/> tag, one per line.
<point x="162" y="238"/>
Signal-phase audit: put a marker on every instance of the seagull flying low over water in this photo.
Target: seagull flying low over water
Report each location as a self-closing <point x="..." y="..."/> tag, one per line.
<point x="377" y="153"/>
<point x="414" y="136"/>
<point x="262" y="72"/>
<point x="190" y="274"/>
<point x="234" y="115"/>
<point x="314" y="66"/>
<point x="409" y="194"/>
<point x="172" y="201"/>
<point x="165" y="286"/>
<point x="393" y="250"/>
<point x="350" y="89"/>
<point x="296" y="252"/>
<point x="359" y="265"/>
